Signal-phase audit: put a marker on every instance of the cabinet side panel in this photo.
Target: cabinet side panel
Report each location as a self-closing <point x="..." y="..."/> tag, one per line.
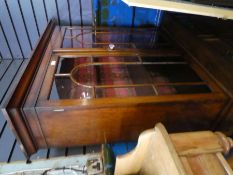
<point x="16" y="122"/>
<point x="34" y="125"/>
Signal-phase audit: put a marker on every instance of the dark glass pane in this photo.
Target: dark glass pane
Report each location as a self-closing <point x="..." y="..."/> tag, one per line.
<point x="163" y="59"/>
<point x="111" y="74"/>
<point x="67" y="64"/>
<point x="116" y="59"/>
<point x="64" y="88"/>
<point x="125" y="92"/>
<point x="172" y="73"/>
<point x="123" y="76"/>
<point x="186" y="89"/>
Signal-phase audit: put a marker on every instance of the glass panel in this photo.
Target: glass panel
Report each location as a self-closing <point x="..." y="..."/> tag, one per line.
<point x="121" y="38"/>
<point x="172" y="73"/>
<point x="64" y="88"/>
<point x="187" y="89"/>
<point x="110" y="74"/>
<point x="124" y="76"/>
<point x="162" y="59"/>
<point x="67" y="64"/>
<point x="125" y="92"/>
<point x="116" y="59"/>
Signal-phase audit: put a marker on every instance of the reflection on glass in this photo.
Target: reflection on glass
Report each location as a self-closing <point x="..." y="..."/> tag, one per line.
<point x="117" y="76"/>
<point x="64" y="88"/>
<point x="125" y="92"/>
<point x="125" y="38"/>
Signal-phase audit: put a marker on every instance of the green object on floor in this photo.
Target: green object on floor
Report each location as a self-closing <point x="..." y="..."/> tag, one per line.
<point x="108" y="159"/>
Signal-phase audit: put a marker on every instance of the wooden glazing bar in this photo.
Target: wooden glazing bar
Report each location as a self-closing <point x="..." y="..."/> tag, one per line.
<point x="128" y="63"/>
<point x="105" y="52"/>
<point x="139" y="85"/>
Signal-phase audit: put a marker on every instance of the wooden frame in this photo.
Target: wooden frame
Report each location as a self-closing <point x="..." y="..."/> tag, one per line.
<point x="158" y="152"/>
<point x="184" y="7"/>
<point x="40" y="122"/>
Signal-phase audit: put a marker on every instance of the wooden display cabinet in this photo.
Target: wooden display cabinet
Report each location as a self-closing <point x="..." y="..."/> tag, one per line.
<point x="88" y="85"/>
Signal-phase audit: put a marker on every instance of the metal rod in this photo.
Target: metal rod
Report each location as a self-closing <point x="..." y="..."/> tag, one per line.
<point x="94" y="91"/>
<point x="24" y="23"/>
<point x="1" y="57"/>
<point x="58" y="15"/>
<point x="45" y="10"/>
<point x="11" y="152"/>
<point x="7" y="42"/>
<point x="12" y="23"/>
<point x="81" y="12"/>
<point x="70" y="20"/>
<point x="34" y="15"/>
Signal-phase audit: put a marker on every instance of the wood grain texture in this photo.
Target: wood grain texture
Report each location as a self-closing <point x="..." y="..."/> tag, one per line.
<point x="142" y="160"/>
<point x="152" y="157"/>
<point x="202" y="142"/>
<point x="41" y="122"/>
<point x="107" y="124"/>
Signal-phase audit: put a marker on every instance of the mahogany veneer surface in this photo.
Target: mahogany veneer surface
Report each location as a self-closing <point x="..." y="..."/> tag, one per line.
<point x="88" y="85"/>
